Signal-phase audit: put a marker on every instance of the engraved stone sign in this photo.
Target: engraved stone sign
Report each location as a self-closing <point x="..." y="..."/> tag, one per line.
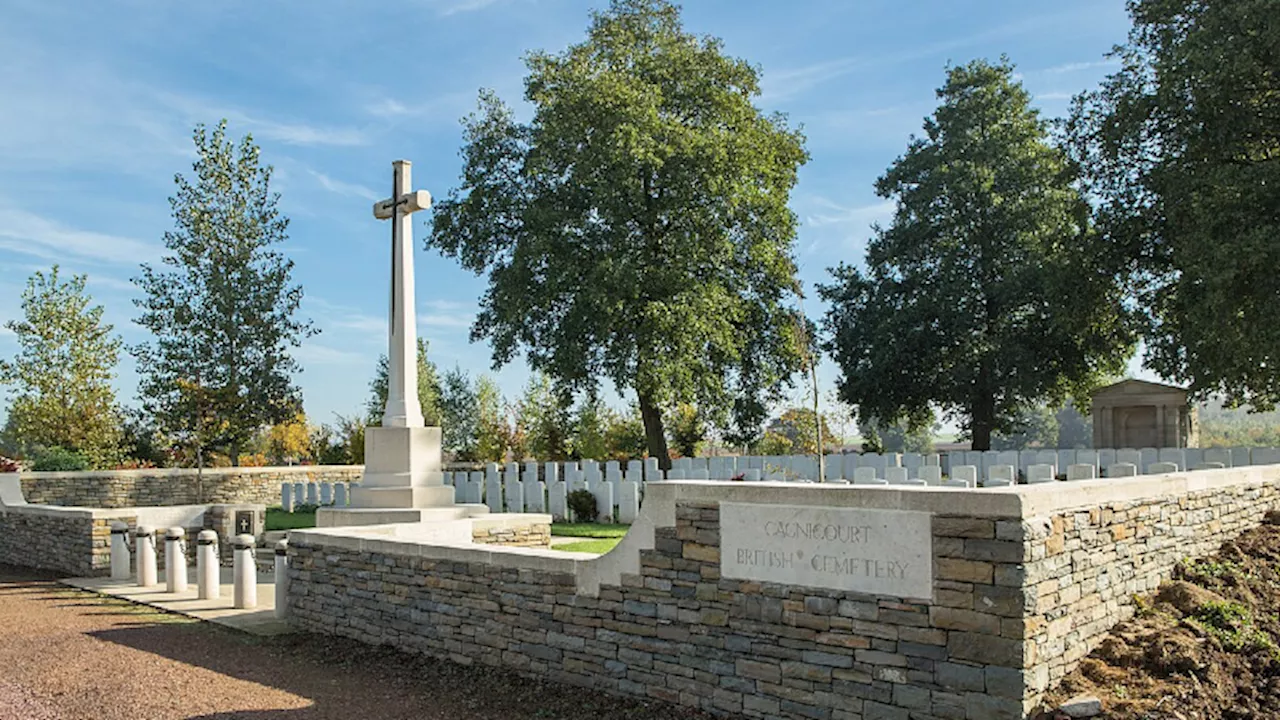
<point x="879" y="552"/>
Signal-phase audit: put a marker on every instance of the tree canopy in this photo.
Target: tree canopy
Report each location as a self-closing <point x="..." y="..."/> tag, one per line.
<point x="1181" y="148"/>
<point x="221" y="306"/>
<point x="637" y="228"/>
<point x="988" y="291"/>
<point x="60" y="379"/>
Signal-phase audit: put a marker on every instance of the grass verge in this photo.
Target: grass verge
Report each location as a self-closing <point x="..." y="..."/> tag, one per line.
<point x="278" y="519"/>
<point x="589" y="530"/>
<point x="599" y="546"/>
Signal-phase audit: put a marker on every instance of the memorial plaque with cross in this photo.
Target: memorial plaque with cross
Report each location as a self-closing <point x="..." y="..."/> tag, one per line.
<point x="244" y="522"/>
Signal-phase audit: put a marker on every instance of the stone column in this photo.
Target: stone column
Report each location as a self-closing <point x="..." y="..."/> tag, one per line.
<point x="1161" y="436"/>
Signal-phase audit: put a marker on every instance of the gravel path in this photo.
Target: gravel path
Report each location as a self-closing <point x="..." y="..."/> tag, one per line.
<point x="67" y="655"/>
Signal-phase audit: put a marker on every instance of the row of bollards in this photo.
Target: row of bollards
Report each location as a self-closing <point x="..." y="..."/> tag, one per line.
<point x="244" y="566"/>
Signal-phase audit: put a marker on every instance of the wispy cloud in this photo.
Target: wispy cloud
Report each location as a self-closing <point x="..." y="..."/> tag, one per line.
<point x="197" y="109"/>
<point x="1079" y="66"/>
<point x="344" y="188"/>
<point x="313" y="353"/>
<point x="30" y="234"/>
<point x="783" y="84"/>
<point x="831" y="213"/>
<point x="445" y="8"/>
<point x="1054" y="96"/>
<point x="446" y="314"/>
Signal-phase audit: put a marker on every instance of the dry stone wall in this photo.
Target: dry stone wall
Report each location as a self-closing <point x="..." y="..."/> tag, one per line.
<point x="1087" y="565"/>
<point x="1024" y="582"/>
<point x="157" y="487"/>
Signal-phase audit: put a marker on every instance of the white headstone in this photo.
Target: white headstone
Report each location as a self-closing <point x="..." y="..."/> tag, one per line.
<point x="967" y="473"/>
<point x="603" y="493"/>
<point x="313" y="494"/>
<point x="1148" y="456"/>
<point x="1129" y="456"/>
<point x="340" y="495"/>
<point x="1041" y="473"/>
<point x="867" y="476"/>
<point x="535" y="495"/>
<point x="930" y="474"/>
<point x="1174" y="455"/>
<point x="558" y="501"/>
<point x="1002" y="473"/>
<point x="286" y="497"/>
<point x="326" y="493"/>
<point x="493" y="494"/>
<point x="896" y="475"/>
<point x="1217" y="455"/>
<point x="1161" y="468"/>
<point x="1106" y="457"/>
<point x="1122" y="470"/>
<point x="628" y="502"/>
<point x="1081" y="471"/>
<point x="1240" y="457"/>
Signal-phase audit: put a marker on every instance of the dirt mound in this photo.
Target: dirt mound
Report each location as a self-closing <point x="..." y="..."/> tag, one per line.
<point x="1204" y="647"/>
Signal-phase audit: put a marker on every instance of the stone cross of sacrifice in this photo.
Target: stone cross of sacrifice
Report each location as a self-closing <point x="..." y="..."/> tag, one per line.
<point x="403" y="408"/>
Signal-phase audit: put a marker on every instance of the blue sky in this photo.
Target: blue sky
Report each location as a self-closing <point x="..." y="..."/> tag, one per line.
<point x="97" y="103"/>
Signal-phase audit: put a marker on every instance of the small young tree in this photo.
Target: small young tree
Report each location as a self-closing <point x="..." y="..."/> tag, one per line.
<point x="459" y="414"/>
<point x="221" y="307"/>
<point x="60" y="380"/>
<point x="687" y="430"/>
<point x="428" y="389"/>
<point x="494" y="433"/>
<point x="544" y="421"/>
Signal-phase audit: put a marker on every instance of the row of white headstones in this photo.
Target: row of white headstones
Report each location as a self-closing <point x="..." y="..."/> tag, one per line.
<point x="618" y="490"/>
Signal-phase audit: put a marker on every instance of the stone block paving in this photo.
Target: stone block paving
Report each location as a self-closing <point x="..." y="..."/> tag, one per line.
<point x="71" y="655"/>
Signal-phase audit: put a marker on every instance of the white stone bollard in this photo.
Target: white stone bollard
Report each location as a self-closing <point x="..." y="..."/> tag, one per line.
<point x="282" y="579"/>
<point x="208" y="584"/>
<point x="246" y="572"/>
<point x="145" y="546"/>
<point x="175" y="560"/>
<point x="286" y="497"/>
<point x="120" y="551"/>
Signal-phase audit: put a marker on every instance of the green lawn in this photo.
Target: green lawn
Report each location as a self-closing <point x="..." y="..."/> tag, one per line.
<point x="589" y="530"/>
<point x="278" y="519"/>
<point x="599" y="546"/>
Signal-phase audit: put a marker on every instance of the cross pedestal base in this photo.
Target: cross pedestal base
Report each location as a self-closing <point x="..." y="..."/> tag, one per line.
<point x="402" y="470"/>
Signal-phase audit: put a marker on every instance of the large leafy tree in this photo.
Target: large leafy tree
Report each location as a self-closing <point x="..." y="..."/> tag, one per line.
<point x="637" y="227"/>
<point x="221" y="306"/>
<point x="429" y="389"/>
<point x="988" y="291"/>
<point x="60" y="379"/>
<point x="1182" y="151"/>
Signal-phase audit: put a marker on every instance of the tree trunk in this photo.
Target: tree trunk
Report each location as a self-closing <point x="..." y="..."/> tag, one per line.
<point x="655" y="435"/>
<point x="235" y="454"/>
<point x="983" y="414"/>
